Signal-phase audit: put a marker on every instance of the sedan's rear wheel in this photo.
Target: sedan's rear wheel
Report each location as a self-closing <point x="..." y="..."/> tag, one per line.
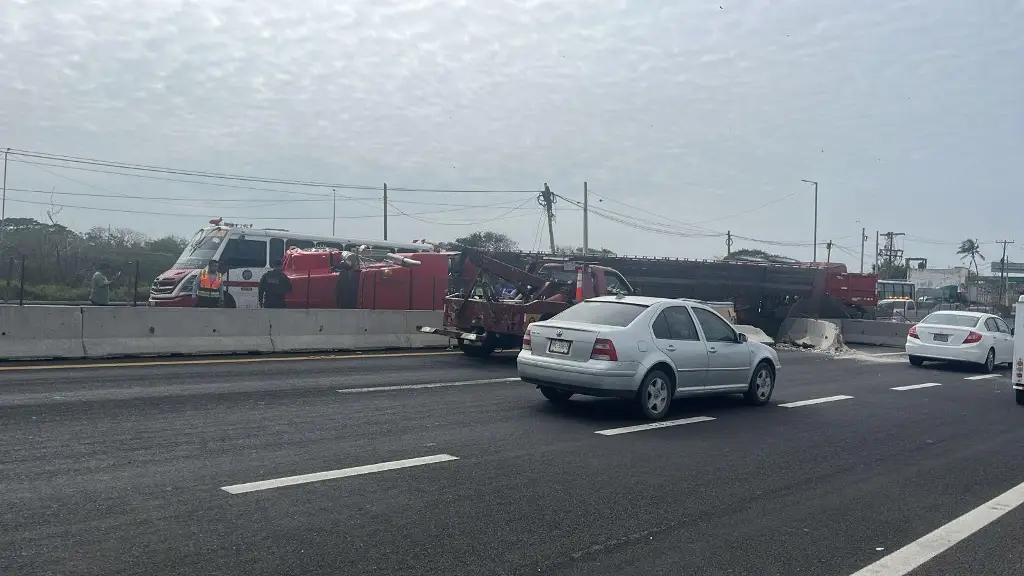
<point x="916" y="361"/>
<point x="655" y="395"/>
<point x="555" y="395"/>
<point x="990" y="362"/>
<point x="762" y="384"/>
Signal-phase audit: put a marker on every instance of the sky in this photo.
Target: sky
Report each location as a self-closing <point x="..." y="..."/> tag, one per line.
<point x="687" y="119"/>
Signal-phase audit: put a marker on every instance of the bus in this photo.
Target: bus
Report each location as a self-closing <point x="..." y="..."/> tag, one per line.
<point x="895" y="289"/>
<point x="244" y="254"/>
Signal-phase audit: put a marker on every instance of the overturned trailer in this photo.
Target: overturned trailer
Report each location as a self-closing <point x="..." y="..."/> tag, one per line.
<point x="764" y="294"/>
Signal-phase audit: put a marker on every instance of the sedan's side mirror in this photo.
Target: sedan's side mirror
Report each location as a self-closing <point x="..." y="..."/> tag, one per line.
<point x="741" y="337"/>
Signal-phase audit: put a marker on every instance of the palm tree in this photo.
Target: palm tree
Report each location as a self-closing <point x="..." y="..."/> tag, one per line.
<point x="970" y="249"/>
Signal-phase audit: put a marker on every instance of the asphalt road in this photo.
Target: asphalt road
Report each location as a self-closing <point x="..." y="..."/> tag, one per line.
<point x="122" y="469"/>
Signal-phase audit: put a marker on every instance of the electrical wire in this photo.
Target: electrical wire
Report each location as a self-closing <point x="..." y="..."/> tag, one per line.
<point x="503" y="216"/>
<point x="78" y="161"/>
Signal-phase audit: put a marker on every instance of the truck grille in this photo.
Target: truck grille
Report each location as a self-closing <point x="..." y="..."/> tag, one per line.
<point x="162" y="287"/>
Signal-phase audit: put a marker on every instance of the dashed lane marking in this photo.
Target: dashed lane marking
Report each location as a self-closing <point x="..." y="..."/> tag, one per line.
<point x="913" y="555"/>
<point x="982" y="377"/>
<point x="430" y="385"/>
<point x="814" y="401"/>
<point x="916" y="386"/>
<point x="130" y="364"/>
<point x="653" y="425"/>
<point x="333" y="474"/>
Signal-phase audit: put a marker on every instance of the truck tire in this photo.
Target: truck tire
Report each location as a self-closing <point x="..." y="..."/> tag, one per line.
<point x="482" y="350"/>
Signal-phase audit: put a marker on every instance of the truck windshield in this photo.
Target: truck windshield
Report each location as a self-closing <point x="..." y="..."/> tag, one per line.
<point x="603" y="313"/>
<point x="201" y="248"/>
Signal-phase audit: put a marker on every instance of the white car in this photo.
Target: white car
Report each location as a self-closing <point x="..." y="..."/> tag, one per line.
<point x="650" y="350"/>
<point x="954" y="336"/>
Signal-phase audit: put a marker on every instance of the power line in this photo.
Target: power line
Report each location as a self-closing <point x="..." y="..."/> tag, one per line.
<point x="503" y="216"/>
<point x="78" y="161"/>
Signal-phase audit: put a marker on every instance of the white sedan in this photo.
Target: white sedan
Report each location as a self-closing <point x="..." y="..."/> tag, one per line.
<point x="649" y="350"/>
<point x="953" y="336"/>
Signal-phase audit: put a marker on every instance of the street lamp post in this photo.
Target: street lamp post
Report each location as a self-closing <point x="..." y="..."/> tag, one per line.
<point x="815" y="217"/>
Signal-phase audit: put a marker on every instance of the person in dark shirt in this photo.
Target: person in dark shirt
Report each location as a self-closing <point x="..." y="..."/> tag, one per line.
<point x="274" y="286"/>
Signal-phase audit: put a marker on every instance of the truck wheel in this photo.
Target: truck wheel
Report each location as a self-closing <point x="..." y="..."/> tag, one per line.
<point x="482" y="350"/>
<point x="560" y="396"/>
<point x="1020" y="397"/>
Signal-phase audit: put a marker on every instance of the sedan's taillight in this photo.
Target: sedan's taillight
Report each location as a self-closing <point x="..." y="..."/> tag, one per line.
<point x="913" y="332"/>
<point x="604" y="350"/>
<point x="526" y="341"/>
<point x="972" y="337"/>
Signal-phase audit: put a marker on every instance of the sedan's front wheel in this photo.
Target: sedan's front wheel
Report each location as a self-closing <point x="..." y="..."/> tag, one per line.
<point x="655" y="395"/>
<point x="762" y="384"/>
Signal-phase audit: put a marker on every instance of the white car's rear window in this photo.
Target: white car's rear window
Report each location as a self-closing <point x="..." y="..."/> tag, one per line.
<point x="947" y="319"/>
<point x="603" y="313"/>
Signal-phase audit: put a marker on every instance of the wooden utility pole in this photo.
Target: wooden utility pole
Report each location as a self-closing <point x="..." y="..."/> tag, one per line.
<point x="586" y="192"/>
<point x="547" y="200"/>
<point x="828" y="253"/>
<point x="728" y="243"/>
<point x="1003" y="275"/>
<point x="863" y="239"/>
<point x="385" y="210"/>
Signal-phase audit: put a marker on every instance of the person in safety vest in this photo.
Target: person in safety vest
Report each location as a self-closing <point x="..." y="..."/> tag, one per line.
<point x="274" y="286"/>
<point x="210" y="287"/>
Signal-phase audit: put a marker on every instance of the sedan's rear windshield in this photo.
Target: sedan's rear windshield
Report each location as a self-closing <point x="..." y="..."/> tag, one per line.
<point x="947" y="319"/>
<point x="604" y="313"/>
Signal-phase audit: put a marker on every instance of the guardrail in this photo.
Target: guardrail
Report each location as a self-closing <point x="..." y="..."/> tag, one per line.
<point x="50" y="332"/>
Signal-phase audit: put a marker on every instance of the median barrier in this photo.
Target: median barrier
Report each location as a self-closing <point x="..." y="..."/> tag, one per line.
<point x="40" y="332"/>
<point x="811" y="333"/>
<point x="754" y="334"/>
<point x="875" y="332"/>
<point x="161" y="331"/>
<point x="306" y="330"/>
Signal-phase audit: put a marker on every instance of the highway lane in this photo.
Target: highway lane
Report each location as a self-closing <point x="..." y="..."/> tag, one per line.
<point x="110" y="470"/>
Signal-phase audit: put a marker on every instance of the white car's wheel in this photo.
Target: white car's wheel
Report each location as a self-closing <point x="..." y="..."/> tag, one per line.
<point x="990" y="362"/>
<point x="762" y="384"/>
<point x="555" y="395"/>
<point x="655" y="395"/>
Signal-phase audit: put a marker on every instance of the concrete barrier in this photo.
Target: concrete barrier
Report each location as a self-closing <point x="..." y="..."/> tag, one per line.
<point x="811" y="333"/>
<point x="40" y="332"/>
<point x="875" y="332"/>
<point x="96" y="332"/>
<point x="754" y="334"/>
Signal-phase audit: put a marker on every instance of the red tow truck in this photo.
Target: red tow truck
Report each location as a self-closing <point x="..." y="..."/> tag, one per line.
<point x="492" y="303"/>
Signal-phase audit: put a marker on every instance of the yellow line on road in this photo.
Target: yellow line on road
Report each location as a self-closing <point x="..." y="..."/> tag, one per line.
<point x="129" y="364"/>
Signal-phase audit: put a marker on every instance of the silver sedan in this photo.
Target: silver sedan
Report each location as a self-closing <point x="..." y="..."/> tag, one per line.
<point x="650" y="350"/>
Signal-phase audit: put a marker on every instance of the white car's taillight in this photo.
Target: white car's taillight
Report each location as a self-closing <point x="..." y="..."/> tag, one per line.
<point x="972" y="337"/>
<point x="604" y="350"/>
<point x="526" y="341"/>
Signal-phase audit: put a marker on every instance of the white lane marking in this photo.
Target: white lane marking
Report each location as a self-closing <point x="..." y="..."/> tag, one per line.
<point x="923" y="549"/>
<point x="332" y="474"/>
<point x="815" y="401"/>
<point x="431" y="385"/>
<point x="982" y="377"/>
<point x="653" y="425"/>
<point x="916" y="386"/>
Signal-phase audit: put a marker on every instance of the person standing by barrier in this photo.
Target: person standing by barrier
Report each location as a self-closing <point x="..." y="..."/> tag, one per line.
<point x="274" y="286"/>
<point x="99" y="291"/>
<point x="210" y="287"/>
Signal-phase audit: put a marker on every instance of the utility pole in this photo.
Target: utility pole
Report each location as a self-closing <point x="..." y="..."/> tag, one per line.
<point x="828" y="255"/>
<point x="863" y="239"/>
<point x="815" y="217"/>
<point x="385" y="210"/>
<point x="728" y="243"/>
<point x="585" y="230"/>
<point x="1003" y="275"/>
<point x="334" y="212"/>
<point x="3" y="205"/>
<point x="547" y="200"/>
<point x="890" y="253"/>
<point x="877" y="252"/>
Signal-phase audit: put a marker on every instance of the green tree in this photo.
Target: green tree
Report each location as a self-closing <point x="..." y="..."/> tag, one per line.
<point x="489" y="241"/>
<point x="755" y="254"/>
<point x="578" y="251"/>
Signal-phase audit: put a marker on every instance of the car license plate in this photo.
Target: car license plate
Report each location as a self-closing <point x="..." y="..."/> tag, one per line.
<point x="559" y="346"/>
<point x="940" y="337"/>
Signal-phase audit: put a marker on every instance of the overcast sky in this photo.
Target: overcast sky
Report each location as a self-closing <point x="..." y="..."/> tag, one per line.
<point x="909" y="114"/>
